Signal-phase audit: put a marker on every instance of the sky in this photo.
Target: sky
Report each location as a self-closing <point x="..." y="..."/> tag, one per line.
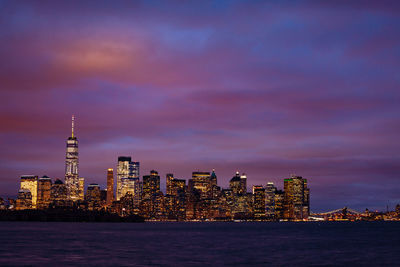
<point x="310" y="88"/>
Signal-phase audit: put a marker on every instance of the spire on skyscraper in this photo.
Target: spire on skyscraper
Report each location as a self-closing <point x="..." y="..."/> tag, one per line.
<point x="73" y="119"/>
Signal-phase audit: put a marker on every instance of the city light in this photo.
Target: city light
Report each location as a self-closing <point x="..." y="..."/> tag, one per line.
<point x="198" y="199"/>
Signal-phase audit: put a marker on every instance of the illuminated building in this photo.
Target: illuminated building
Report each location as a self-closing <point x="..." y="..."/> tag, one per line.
<point x="241" y="205"/>
<point x="198" y="196"/>
<point x="152" y="204"/>
<point x="58" y="193"/>
<point x="170" y="203"/>
<point x="24" y="200"/>
<point x="243" y="183"/>
<point x="81" y="188"/>
<point x="174" y="200"/>
<point x="93" y="196"/>
<point x="179" y="190"/>
<point x="170" y="198"/>
<point x="158" y="206"/>
<point x="226" y="202"/>
<point x="133" y="186"/>
<point x="128" y="186"/>
<point x="30" y="182"/>
<point x="71" y="167"/>
<point x="178" y="186"/>
<point x="201" y="181"/>
<point x="103" y="197"/>
<point x="215" y="189"/>
<point x="242" y="202"/>
<point x="270" y="190"/>
<point x="151" y="184"/>
<point x="258" y="201"/>
<point x="296" y="198"/>
<point x="213" y="178"/>
<point x="44" y="190"/>
<point x="126" y="169"/>
<point x="169" y="181"/>
<point x="238" y="184"/>
<point x="279" y="207"/>
<point x="193" y="197"/>
<point x="123" y="171"/>
<point x="137" y="195"/>
<point x="127" y="205"/>
<point x="110" y="187"/>
<point x="134" y="169"/>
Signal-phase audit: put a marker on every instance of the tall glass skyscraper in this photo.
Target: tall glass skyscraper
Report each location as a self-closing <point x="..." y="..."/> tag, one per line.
<point x="126" y="169"/>
<point x="71" y="167"/>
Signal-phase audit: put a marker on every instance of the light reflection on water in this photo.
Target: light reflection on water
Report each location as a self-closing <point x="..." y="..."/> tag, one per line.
<point x="199" y="244"/>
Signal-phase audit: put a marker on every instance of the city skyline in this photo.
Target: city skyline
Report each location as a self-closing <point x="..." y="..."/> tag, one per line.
<point x="127" y="181"/>
<point x="198" y="199"/>
<point x="264" y="89"/>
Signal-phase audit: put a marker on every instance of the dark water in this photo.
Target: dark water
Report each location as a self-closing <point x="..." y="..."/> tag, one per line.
<point x="200" y="244"/>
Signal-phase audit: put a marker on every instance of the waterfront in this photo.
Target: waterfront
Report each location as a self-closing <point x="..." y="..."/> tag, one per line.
<point x="198" y="244"/>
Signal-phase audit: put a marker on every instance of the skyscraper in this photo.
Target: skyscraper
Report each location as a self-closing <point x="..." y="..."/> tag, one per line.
<point x="30" y="182"/>
<point x="151" y="184"/>
<point x="71" y="166"/>
<point x="296" y="198"/>
<point x="258" y="201"/>
<point x="24" y="200"/>
<point x="58" y="193"/>
<point x="152" y="197"/>
<point x="81" y="188"/>
<point x="44" y="189"/>
<point x="279" y="204"/>
<point x="126" y="169"/>
<point x="122" y="172"/>
<point x="238" y="184"/>
<point x="169" y="183"/>
<point x="128" y="186"/>
<point x="93" y="196"/>
<point x="201" y="181"/>
<point x="270" y="190"/>
<point x="134" y="169"/>
<point x="243" y="182"/>
<point x="110" y="186"/>
<point x="214" y="185"/>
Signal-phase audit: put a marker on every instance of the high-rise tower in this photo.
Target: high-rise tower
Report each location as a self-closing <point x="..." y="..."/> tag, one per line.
<point x="126" y="170"/>
<point x="110" y="186"/>
<point x="71" y="166"/>
<point x="296" y="198"/>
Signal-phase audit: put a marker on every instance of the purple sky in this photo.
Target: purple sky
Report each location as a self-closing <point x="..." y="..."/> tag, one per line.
<point x="310" y="87"/>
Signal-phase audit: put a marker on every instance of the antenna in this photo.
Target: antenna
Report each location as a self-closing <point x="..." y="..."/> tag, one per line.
<point x="73" y="119"/>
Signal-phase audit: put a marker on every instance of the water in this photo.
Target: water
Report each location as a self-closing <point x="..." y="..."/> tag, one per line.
<point x="200" y="244"/>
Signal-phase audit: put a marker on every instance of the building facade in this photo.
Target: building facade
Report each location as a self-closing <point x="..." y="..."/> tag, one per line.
<point x="93" y="197"/>
<point x="30" y="182"/>
<point x="72" y="167"/>
<point x="110" y="187"/>
<point x="296" y="198"/>
<point x="44" y="192"/>
<point x="258" y="201"/>
<point x="270" y="190"/>
<point x="201" y="181"/>
<point x="126" y="169"/>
